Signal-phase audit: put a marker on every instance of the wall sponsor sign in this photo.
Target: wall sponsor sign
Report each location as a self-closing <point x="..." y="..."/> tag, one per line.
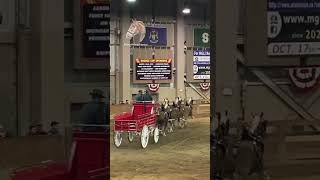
<point x="153" y="69"/>
<point x="293" y="27"/>
<point x="201" y="65"/>
<point x="96" y="29"/>
<point x="155" y="36"/>
<point x="201" y="37"/>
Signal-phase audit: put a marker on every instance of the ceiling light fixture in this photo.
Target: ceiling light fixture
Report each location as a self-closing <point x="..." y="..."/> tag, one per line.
<point x="186" y="8"/>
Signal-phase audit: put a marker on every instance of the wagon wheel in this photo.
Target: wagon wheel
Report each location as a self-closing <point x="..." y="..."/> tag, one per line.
<point x="117" y="139"/>
<point x="130" y="136"/>
<point x="156" y="135"/>
<point x="144" y="136"/>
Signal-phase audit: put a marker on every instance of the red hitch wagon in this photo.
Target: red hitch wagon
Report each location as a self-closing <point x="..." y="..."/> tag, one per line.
<point x="89" y="161"/>
<point x="142" y="121"/>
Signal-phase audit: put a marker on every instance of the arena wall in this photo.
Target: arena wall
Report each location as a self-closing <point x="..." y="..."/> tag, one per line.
<point x="167" y="89"/>
<point x="255" y="43"/>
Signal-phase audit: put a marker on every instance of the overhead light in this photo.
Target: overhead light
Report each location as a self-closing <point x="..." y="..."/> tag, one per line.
<point x="186" y="10"/>
<point x="131" y="1"/>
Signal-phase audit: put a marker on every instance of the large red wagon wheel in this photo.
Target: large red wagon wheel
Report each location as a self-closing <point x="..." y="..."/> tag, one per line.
<point x="144" y="136"/>
<point x="117" y="139"/>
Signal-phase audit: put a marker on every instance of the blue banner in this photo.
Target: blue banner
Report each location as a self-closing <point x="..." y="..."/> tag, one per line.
<point x="201" y="65"/>
<point x="155" y="36"/>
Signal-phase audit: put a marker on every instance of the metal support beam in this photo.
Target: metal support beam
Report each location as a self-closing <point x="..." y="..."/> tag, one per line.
<point x="197" y="91"/>
<point x="179" y="55"/>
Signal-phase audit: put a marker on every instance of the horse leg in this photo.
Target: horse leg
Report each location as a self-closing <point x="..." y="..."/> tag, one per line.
<point x="175" y="122"/>
<point x="163" y="127"/>
<point x="160" y="127"/>
<point x="260" y="153"/>
<point x="221" y="164"/>
<point x="170" y="128"/>
<point x="181" y="123"/>
<point x="257" y="168"/>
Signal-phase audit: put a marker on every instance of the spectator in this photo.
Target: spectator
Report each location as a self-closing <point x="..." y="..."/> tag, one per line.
<point x="40" y="130"/>
<point x="54" y="129"/>
<point x="32" y="130"/>
<point x="3" y="132"/>
<point x="37" y="130"/>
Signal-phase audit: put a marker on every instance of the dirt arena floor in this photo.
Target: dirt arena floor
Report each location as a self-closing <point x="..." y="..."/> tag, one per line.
<point x="181" y="155"/>
<point x="304" y="170"/>
<point x="184" y="155"/>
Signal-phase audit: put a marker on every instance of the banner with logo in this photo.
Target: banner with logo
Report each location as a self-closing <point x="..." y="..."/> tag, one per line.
<point x="201" y="37"/>
<point x="293" y="27"/>
<point x="201" y="65"/>
<point x="96" y="27"/>
<point x="155" y="36"/>
<point x="153" y="69"/>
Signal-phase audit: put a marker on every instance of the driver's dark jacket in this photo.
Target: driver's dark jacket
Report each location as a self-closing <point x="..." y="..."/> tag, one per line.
<point x="95" y="113"/>
<point x="147" y="97"/>
<point x="139" y="97"/>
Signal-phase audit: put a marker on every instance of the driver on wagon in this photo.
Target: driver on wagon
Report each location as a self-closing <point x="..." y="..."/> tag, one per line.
<point x="147" y="96"/>
<point x="139" y="96"/>
<point x="95" y="112"/>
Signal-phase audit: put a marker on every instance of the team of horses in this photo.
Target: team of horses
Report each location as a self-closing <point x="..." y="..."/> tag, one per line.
<point x="175" y="114"/>
<point x="239" y="156"/>
<point x="236" y="156"/>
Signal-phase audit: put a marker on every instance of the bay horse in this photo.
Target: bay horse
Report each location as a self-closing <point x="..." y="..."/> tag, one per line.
<point x="163" y="118"/>
<point x="239" y="158"/>
<point x="249" y="156"/>
<point x="177" y="112"/>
